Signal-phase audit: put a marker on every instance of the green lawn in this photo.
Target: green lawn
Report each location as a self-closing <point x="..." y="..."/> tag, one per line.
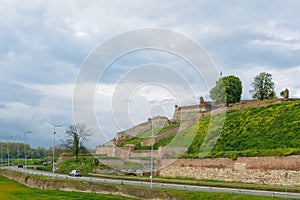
<point x="190" y="195"/>
<point x="12" y="190"/>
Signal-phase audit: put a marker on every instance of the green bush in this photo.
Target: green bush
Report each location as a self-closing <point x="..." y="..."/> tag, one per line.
<point x="85" y="165"/>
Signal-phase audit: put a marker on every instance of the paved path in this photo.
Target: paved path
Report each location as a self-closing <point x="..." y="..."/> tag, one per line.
<point x="164" y="185"/>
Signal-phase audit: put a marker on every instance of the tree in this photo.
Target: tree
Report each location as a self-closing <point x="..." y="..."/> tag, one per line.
<point x="76" y="135"/>
<point x="263" y="87"/>
<point x="228" y="89"/>
<point x="282" y="93"/>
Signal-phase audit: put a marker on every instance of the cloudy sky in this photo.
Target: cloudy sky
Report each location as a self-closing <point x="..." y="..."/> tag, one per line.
<point x="44" y="45"/>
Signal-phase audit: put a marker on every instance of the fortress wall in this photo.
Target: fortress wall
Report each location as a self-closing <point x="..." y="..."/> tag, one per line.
<point x="139" y="161"/>
<point x="266" y="162"/>
<point x="159" y="137"/>
<point x="105" y="151"/>
<point x="169" y="151"/>
<point x="158" y="122"/>
<point x="236" y="174"/>
<point x="185" y="115"/>
<point x="111" y="161"/>
<point x="261" y="170"/>
<point x="143" y="153"/>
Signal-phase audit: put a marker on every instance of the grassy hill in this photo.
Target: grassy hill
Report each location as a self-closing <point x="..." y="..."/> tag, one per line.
<point x="271" y="130"/>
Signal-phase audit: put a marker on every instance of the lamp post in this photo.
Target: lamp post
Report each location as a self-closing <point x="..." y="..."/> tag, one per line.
<point x="151" y="165"/>
<point x="25" y="150"/>
<point x="53" y="152"/>
<point x="18" y="154"/>
<point x="7" y="149"/>
<point x="1" y="154"/>
<point x="286" y="175"/>
<point x="8" y="152"/>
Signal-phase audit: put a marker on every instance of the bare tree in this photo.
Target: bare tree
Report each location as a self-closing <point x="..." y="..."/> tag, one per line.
<point x="76" y="136"/>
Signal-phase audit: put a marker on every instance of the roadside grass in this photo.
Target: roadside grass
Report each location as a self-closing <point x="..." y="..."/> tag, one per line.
<point x="186" y="195"/>
<point x="13" y="190"/>
<point x="203" y="182"/>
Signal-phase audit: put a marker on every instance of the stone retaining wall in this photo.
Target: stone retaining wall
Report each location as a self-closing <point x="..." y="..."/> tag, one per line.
<point x="159" y="137"/>
<point x="261" y="170"/>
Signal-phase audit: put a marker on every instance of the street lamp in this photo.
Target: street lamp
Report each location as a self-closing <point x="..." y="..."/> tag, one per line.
<point x="151" y="165"/>
<point x="25" y="150"/>
<point x="1" y="154"/>
<point x="18" y="153"/>
<point x="8" y="151"/>
<point x="54" y="132"/>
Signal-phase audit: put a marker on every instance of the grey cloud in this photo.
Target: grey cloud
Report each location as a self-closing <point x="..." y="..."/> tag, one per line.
<point x="13" y="92"/>
<point x="45" y="43"/>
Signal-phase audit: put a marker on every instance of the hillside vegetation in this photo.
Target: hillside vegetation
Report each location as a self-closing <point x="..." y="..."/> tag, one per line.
<point x="143" y="136"/>
<point x="271" y="130"/>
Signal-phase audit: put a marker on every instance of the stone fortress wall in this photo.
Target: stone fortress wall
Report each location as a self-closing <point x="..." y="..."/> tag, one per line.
<point x="265" y="170"/>
<point x="260" y="170"/>
<point x="158" y="122"/>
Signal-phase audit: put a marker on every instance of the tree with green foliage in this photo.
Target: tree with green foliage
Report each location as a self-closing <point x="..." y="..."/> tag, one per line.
<point x="76" y="135"/>
<point x="263" y="87"/>
<point x="228" y="89"/>
<point x="282" y="93"/>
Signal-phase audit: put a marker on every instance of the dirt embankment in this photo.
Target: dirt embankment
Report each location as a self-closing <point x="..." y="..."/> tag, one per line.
<point x="85" y="186"/>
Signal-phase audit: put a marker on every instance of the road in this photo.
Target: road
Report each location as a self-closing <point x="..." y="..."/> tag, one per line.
<point x="164" y="185"/>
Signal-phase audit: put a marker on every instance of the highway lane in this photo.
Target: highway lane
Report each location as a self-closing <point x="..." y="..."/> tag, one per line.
<point x="163" y="185"/>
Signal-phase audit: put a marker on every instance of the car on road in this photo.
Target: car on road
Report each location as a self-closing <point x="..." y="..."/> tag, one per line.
<point x="75" y="173"/>
<point x="20" y="166"/>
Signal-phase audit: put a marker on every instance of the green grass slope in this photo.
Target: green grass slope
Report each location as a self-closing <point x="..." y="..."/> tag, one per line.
<point x="12" y="190"/>
<point x="147" y="134"/>
<point x="261" y="131"/>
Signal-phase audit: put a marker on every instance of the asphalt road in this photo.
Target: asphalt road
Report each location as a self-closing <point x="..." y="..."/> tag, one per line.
<point x="164" y="185"/>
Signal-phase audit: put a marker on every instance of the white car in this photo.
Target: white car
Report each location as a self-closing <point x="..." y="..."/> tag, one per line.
<point x="75" y="173"/>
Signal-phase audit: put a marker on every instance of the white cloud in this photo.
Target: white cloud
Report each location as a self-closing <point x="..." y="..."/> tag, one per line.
<point x="285" y="46"/>
<point x="44" y="43"/>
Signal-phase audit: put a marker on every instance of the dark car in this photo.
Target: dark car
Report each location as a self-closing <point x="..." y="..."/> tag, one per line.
<point x="20" y="166"/>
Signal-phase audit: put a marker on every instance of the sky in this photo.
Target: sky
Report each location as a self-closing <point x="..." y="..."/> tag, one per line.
<point x="45" y="46"/>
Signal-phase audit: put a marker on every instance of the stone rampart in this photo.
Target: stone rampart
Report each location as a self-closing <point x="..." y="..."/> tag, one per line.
<point x="111" y="162"/>
<point x="109" y="151"/>
<point x="143" y="153"/>
<point x="158" y="122"/>
<point x="159" y="137"/>
<point x="261" y="170"/>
